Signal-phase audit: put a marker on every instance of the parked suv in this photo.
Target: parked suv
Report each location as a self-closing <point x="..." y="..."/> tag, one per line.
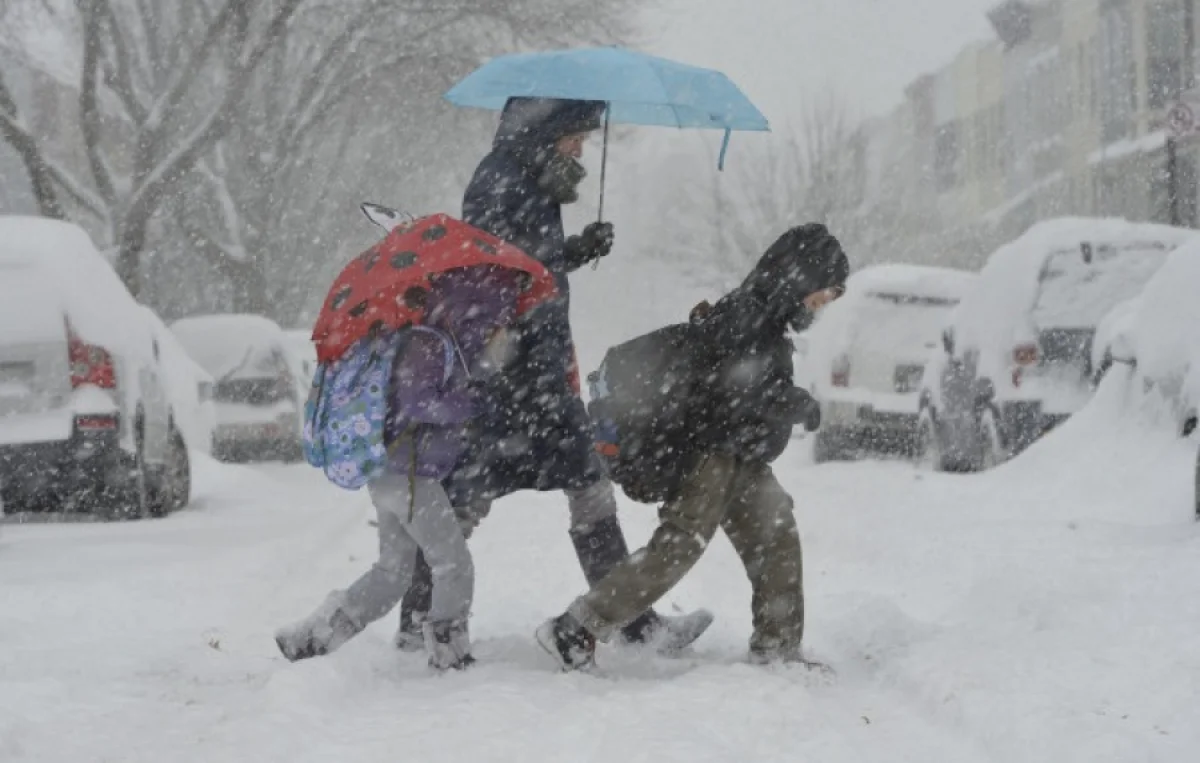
<point x="1016" y="359"/>
<point x="257" y="388"/>
<point x="864" y="358"/>
<point x="85" y="420"/>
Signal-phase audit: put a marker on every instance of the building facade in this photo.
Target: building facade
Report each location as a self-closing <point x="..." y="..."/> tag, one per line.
<point x="1063" y="113"/>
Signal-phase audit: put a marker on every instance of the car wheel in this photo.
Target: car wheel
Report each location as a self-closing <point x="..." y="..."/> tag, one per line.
<point x="131" y="498"/>
<point x="991" y="446"/>
<point x="173" y="486"/>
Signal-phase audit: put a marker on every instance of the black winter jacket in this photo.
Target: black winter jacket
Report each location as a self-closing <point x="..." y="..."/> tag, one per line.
<point x="742" y="403"/>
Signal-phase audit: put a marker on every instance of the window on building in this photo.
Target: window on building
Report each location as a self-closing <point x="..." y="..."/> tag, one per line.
<point x="946" y="157"/>
<point x="1164" y="52"/>
<point x="1116" y="74"/>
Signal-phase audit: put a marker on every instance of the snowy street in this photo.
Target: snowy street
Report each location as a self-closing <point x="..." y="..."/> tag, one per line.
<point x="1044" y="611"/>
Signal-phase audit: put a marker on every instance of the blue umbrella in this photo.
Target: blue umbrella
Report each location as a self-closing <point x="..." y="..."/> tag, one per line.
<point x="638" y="88"/>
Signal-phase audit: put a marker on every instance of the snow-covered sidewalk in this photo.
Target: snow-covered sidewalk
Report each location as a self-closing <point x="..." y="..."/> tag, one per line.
<point x="1047" y="611"/>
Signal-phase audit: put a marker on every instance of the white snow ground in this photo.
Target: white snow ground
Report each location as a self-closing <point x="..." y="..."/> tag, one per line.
<point x="1045" y="611"/>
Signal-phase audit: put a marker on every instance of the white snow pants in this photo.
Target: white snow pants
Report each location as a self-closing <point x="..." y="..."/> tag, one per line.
<point x="414" y="515"/>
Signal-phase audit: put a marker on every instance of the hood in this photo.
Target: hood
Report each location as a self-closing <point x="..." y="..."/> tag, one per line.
<point x="804" y="260"/>
<point x="471" y="303"/>
<point x="529" y="127"/>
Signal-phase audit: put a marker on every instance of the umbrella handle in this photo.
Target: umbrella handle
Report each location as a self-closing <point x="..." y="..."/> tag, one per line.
<point x="604" y="159"/>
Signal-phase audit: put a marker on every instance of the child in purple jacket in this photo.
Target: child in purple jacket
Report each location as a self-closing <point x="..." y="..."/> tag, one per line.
<point x="432" y="403"/>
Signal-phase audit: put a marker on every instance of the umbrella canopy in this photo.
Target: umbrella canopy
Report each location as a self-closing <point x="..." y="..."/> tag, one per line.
<point x="640" y="89"/>
<point x="375" y="292"/>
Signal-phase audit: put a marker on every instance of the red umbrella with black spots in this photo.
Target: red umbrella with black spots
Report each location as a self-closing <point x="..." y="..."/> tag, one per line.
<point x="384" y="288"/>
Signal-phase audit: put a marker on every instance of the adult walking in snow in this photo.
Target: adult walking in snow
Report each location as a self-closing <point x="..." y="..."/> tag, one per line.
<point x="537" y="434"/>
<point x="728" y="413"/>
<point x="433" y="397"/>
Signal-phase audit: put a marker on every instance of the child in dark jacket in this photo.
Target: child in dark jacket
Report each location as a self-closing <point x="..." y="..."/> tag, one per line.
<point x="433" y="400"/>
<point x="736" y="419"/>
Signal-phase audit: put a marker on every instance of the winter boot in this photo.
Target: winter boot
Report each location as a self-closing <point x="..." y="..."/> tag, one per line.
<point x="320" y="633"/>
<point x="785" y="655"/>
<point x="599" y="548"/>
<point x="410" y="636"/>
<point x="414" y="607"/>
<point x="671" y="634"/>
<point x="568" y="642"/>
<point x="448" y="643"/>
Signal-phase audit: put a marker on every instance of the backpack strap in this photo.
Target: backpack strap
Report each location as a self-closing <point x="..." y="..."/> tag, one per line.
<point x="449" y="349"/>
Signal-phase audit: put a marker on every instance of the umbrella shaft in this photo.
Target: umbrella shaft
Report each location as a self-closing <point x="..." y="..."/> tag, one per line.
<point x="604" y="159"/>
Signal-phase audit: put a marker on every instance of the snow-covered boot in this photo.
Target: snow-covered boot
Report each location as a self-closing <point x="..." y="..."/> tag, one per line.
<point x="448" y="643"/>
<point x="320" y="633"/>
<point x="674" y="633"/>
<point x="410" y="637"/>
<point x="568" y="642"/>
<point x="601" y="547"/>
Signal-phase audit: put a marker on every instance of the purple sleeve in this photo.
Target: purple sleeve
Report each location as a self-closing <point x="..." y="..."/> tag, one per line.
<point x="418" y="392"/>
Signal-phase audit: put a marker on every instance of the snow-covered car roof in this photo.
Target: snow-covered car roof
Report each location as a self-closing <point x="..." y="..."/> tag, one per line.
<point x="61" y="259"/>
<point x="222" y="343"/>
<point x="917" y="280"/>
<point x="994" y="314"/>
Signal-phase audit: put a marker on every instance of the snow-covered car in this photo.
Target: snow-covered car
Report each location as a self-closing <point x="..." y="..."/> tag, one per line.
<point x="86" y="422"/>
<point x="1158" y="347"/>
<point x="864" y="357"/>
<point x="189" y="387"/>
<point x="256" y="389"/>
<point x="1016" y="359"/>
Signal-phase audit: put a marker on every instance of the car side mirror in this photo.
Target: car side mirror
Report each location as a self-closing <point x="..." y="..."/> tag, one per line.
<point x="1121" y="350"/>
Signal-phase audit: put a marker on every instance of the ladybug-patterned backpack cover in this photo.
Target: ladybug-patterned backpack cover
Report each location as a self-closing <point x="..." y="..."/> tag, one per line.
<point x="371" y="306"/>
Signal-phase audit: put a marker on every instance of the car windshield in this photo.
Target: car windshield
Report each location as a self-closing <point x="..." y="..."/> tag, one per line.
<point x="228" y="350"/>
<point x="1076" y="293"/>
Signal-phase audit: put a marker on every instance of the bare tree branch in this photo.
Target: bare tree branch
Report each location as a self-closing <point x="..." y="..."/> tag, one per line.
<point x="89" y="109"/>
<point x="120" y="76"/>
<point x="40" y="176"/>
<point x="185" y="76"/>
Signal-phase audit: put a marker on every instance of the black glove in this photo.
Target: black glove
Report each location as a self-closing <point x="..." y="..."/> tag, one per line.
<point x="594" y="242"/>
<point x="799" y="407"/>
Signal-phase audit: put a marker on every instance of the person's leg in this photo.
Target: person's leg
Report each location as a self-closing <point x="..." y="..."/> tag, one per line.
<point x="600" y="545"/>
<point x="436" y="529"/>
<point x="345" y="613"/>
<point x="761" y="526"/>
<point x="687" y="524"/>
<point x="414" y="608"/>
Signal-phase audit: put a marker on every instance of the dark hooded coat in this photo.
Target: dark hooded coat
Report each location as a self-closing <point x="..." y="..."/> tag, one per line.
<point x="722" y="382"/>
<point x="535" y="432"/>
<point x="741" y="406"/>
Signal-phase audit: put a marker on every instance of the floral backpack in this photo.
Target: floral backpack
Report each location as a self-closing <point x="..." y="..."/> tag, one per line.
<point x="348" y="405"/>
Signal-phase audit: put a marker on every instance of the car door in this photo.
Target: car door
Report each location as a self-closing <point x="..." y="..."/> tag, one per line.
<point x="156" y="406"/>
